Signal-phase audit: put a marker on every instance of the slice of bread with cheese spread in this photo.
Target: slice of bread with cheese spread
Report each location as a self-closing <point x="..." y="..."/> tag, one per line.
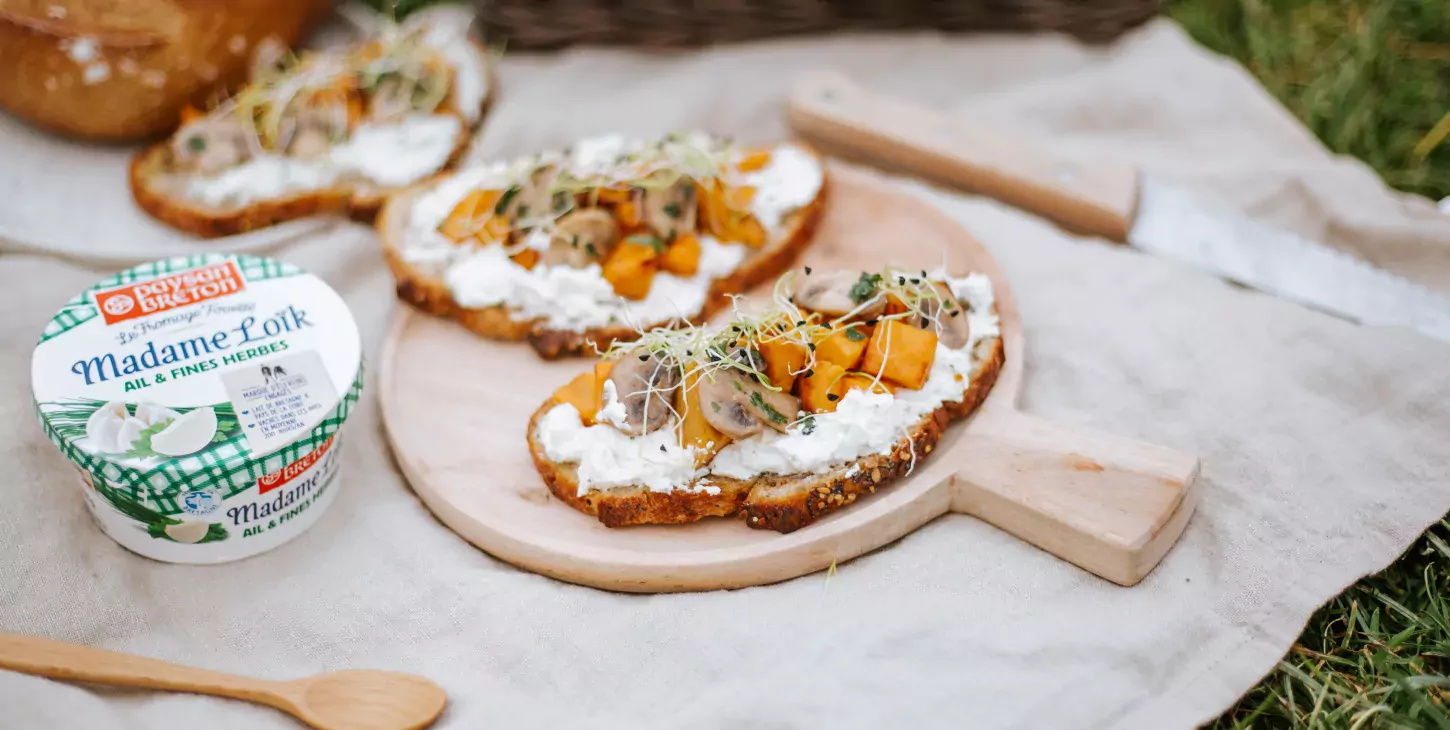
<point x="332" y="131"/>
<point x="844" y="384"/>
<point x="574" y="250"/>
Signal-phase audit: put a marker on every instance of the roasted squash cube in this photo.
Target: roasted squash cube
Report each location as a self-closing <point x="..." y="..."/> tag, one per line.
<point x="844" y="346"/>
<point x="581" y="393"/>
<point x="783" y="360"/>
<point x="683" y="256"/>
<point x="469" y="216"/>
<point x="630" y="268"/>
<point x="754" y="161"/>
<point x="693" y="429"/>
<point x="822" y="390"/>
<point x="900" y="353"/>
<point x="859" y="381"/>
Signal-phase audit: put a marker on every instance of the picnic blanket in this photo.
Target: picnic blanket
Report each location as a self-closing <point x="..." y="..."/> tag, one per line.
<point x="1325" y="446"/>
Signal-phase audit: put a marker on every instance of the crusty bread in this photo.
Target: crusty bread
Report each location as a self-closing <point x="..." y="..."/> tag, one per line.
<point x="158" y="192"/>
<point x="428" y="292"/>
<point x="111" y="70"/>
<point x="784" y="503"/>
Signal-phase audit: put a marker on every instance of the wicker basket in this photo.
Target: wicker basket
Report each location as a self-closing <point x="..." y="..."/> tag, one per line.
<point x="543" y="24"/>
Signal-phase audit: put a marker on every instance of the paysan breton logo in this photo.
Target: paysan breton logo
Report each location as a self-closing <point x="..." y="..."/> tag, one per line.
<point x="169" y="292"/>
<point x="287" y="473"/>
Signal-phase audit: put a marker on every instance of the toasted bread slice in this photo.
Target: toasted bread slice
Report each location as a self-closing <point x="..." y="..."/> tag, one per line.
<point x="783" y="503"/>
<point x="425" y="288"/>
<point x="162" y="192"/>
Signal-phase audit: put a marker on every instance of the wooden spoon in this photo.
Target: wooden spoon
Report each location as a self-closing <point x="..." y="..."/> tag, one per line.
<point x="345" y="700"/>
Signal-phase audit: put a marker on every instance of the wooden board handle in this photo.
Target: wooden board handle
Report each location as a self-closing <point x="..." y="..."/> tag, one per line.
<point x="72" y="662"/>
<point x="1113" y="506"/>
<point x="833" y="113"/>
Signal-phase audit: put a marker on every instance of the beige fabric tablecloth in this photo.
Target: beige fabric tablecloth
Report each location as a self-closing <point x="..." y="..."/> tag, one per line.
<point x="1325" y="446"/>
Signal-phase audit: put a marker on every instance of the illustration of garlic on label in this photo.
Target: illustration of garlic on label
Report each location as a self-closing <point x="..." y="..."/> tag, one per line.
<point x="187" y="434"/>
<point x="112" y="429"/>
<point x="188" y="532"/>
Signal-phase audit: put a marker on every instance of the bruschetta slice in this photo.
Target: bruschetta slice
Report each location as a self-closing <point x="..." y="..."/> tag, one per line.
<point x="577" y="249"/>
<point x="845" y="383"/>
<point x="331" y="131"/>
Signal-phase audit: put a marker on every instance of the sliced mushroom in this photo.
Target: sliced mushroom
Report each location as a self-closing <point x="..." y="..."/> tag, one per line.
<point x="950" y="318"/>
<point x="722" y="410"/>
<point x="582" y="237"/>
<point x="776" y="409"/>
<point x="314" y="129"/>
<point x="534" y="198"/>
<point x="210" y="145"/>
<point x="834" y="293"/>
<point x="671" y="211"/>
<point x="646" y="387"/>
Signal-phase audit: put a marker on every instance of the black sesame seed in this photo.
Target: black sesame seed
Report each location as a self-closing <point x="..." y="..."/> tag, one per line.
<point x="808" y="271"/>
<point x="872" y="322"/>
<point x="955" y="312"/>
<point x="808" y="373"/>
<point x="644" y="358"/>
<point x="832" y="397"/>
<point x="662" y="448"/>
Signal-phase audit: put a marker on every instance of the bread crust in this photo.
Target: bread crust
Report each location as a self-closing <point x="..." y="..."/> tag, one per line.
<point x="784" y="503"/>
<point x="432" y="295"/>
<point x="147" y="175"/>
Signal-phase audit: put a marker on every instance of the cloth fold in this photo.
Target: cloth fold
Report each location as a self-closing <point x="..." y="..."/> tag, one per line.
<point x="1325" y="446"/>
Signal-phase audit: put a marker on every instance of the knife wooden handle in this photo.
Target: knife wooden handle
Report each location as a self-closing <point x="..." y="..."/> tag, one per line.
<point x="833" y="113"/>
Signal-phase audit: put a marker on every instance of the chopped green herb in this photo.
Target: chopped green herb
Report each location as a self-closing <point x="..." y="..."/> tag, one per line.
<point x="645" y="239"/>
<point x="197" y="143"/>
<point x="523" y="210"/>
<point x="672" y="210"/>
<point x="505" y="199"/>
<point x="854" y="334"/>
<point x="865" y="287"/>
<point x="715" y="406"/>
<point x="808" y="425"/>
<point x="770" y="412"/>
<point x="590" y="249"/>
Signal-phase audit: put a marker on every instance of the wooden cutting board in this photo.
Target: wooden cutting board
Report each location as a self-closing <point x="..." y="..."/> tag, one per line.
<point x="456" y="409"/>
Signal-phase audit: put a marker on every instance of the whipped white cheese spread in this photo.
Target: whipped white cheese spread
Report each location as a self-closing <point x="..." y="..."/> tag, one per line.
<point x="392" y="155"/>
<point x="863" y="424"/>
<point x="580" y="298"/>
<point x="201" y="400"/>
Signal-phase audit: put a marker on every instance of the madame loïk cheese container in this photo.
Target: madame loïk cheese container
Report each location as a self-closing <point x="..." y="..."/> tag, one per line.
<point x="201" y="398"/>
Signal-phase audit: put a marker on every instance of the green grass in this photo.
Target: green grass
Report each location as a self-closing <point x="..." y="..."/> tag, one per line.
<point x="1372" y="80"/>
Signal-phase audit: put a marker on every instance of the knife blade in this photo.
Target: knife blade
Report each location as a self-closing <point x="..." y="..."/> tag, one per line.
<point x="1107" y="199"/>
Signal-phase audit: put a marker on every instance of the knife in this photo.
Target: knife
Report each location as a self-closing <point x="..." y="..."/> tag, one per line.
<point x="1107" y="199"/>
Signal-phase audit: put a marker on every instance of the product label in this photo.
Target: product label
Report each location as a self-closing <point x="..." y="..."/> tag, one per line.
<point x="169" y="292"/>
<point x="280" y="398"/>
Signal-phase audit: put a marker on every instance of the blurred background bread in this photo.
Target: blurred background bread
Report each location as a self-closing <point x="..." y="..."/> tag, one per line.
<point x="123" y="69"/>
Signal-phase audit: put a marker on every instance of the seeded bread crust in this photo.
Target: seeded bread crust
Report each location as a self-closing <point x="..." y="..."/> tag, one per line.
<point x="784" y="503"/>
<point x="154" y="190"/>
<point x="429" y="292"/>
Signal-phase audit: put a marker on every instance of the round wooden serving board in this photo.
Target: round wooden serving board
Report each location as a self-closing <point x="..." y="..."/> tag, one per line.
<point x="456" y="408"/>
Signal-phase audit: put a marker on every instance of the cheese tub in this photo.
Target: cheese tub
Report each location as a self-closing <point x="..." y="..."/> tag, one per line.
<point x="201" y="399"/>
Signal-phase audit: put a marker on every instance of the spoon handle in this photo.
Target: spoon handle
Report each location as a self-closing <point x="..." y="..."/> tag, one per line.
<point x="60" y="660"/>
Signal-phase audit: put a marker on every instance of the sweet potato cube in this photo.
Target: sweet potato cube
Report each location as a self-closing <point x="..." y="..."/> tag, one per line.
<point x="629" y="214"/>
<point x="900" y="353"/>
<point x="693" y="429"/>
<point x="783" y="359"/>
<point x="527" y="258"/>
<point x="631" y="269"/>
<point x="894" y="305"/>
<point x="580" y="393"/>
<point x="754" y="161"/>
<point x="823" y="389"/>
<point x="858" y="381"/>
<point x="468" y="217"/>
<point x="844" y="346"/>
<point x="683" y="256"/>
